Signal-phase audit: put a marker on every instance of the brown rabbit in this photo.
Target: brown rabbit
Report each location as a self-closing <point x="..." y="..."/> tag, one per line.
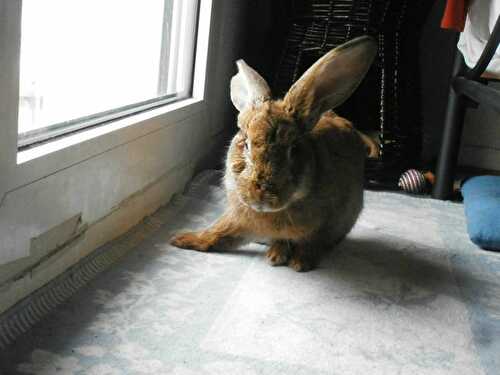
<point x="294" y="171"/>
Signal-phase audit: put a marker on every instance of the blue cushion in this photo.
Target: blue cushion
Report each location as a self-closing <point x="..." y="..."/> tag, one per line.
<point x="482" y="210"/>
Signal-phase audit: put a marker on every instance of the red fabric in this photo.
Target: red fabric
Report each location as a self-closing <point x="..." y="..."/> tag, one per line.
<point x="454" y="15"/>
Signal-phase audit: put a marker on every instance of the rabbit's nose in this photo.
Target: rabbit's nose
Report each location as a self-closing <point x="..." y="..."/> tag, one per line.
<point x="259" y="185"/>
<point x="262" y="186"/>
<point x="258" y="191"/>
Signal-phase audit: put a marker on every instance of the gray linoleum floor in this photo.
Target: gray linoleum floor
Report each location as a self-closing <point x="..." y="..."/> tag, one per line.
<point x="405" y="293"/>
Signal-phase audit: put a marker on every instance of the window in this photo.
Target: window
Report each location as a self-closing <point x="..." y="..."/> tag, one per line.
<point x="86" y="62"/>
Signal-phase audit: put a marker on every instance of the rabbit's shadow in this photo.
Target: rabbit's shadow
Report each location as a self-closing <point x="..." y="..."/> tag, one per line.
<point x="396" y="269"/>
<point x="402" y="271"/>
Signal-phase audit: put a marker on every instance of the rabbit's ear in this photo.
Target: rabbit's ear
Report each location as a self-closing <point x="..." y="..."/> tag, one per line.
<point x="331" y="80"/>
<point x="248" y="88"/>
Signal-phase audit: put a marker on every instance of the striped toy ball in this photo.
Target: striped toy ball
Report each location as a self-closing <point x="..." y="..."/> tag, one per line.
<point x="413" y="181"/>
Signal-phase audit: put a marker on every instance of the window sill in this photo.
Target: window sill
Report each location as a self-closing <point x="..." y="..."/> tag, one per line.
<point x="187" y="106"/>
<point x="47" y="158"/>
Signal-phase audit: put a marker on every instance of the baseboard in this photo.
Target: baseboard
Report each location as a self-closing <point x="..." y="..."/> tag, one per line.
<point x="120" y="220"/>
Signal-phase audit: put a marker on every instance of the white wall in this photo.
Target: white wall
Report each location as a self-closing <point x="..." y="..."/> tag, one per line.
<point x="58" y="207"/>
<point x="481" y="138"/>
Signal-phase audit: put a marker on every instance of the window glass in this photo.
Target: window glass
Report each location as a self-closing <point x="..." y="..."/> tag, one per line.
<point x="84" y="62"/>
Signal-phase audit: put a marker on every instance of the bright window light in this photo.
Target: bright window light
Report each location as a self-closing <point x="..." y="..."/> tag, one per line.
<point x="85" y="62"/>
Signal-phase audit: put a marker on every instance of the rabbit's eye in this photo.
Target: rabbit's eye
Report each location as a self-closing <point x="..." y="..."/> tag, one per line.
<point x="246" y="145"/>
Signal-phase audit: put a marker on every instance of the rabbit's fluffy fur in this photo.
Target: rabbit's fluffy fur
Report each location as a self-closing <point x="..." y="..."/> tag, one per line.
<point x="294" y="171"/>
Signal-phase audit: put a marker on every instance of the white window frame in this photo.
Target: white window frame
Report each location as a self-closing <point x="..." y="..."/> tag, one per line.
<point x="174" y="55"/>
<point x="20" y="168"/>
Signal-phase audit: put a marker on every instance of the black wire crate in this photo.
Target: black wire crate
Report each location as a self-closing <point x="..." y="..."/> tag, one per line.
<point x="388" y="101"/>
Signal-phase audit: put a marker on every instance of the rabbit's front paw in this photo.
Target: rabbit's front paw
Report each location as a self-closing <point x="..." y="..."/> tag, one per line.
<point x="279" y="253"/>
<point x="301" y="264"/>
<point x="191" y="241"/>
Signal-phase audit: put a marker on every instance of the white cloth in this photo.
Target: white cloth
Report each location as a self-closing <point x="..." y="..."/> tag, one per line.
<point x="481" y="18"/>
